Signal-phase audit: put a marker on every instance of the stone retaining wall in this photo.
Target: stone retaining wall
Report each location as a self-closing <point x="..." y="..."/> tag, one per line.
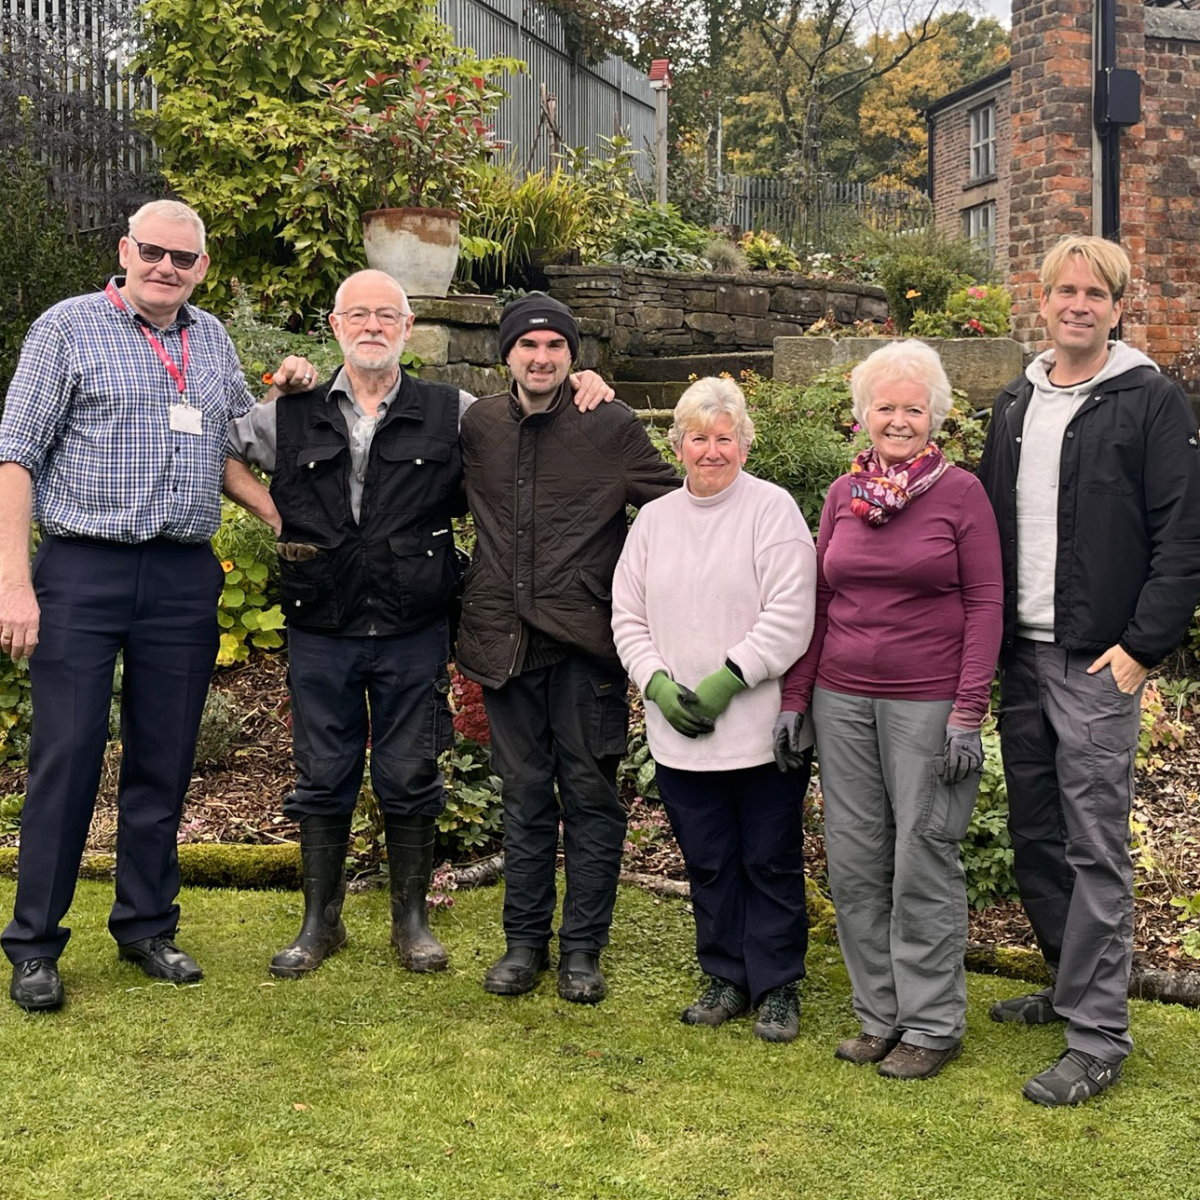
<point x="669" y="313"/>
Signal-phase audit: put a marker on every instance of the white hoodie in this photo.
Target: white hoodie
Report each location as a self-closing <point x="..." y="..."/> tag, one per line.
<point x="1046" y="419"/>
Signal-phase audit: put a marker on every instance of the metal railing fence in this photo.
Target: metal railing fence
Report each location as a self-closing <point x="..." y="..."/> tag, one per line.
<point x="758" y="203"/>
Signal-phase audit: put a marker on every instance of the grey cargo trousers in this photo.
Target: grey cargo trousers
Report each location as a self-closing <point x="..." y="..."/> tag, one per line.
<point x="892" y="833"/>
<point x="1069" y="740"/>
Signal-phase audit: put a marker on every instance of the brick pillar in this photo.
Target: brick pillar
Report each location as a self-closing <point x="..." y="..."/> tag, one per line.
<point x="1051" y="188"/>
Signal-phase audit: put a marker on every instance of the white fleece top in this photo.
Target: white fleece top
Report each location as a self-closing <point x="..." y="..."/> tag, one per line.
<point x="702" y="579"/>
<point x="1046" y="419"/>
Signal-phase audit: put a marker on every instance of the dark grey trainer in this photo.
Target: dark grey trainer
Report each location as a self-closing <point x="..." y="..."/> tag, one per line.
<point x="866" y="1048"/>
<point x="1035" y="1009"/>
<point x="907" y="1061"/>
<point x="1076" y="1077"/>
<point x="721" y="1001"/>
<point x="779" y="1015"/>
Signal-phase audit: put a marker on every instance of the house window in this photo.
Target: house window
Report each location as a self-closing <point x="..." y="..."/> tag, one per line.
<point x="983" y="142"/>
<point x="979" y="225"/>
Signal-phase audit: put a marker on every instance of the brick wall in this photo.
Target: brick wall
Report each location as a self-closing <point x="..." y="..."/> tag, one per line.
<point x="1161" y="194"/>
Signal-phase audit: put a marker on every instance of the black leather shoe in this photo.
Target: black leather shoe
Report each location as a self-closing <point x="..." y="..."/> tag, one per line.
<point x="579" y="977"/>
<point x="160" y="958"/>
<point x="516" y="970"/>
<point x="36" y="985"/>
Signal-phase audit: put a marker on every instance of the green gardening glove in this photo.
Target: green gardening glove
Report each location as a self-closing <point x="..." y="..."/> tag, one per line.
<point x="715" y="691"/>
<point x="676" y="704"/>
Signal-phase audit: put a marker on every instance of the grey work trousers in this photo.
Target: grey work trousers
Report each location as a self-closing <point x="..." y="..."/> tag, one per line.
<point x="892" y="833"/>
<point x="1069" y="740"/>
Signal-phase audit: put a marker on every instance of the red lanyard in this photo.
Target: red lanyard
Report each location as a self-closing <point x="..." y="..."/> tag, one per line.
<point x="177" y="373"/>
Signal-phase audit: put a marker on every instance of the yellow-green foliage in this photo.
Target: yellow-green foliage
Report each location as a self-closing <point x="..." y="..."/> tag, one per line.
<point x="246" y="548"/>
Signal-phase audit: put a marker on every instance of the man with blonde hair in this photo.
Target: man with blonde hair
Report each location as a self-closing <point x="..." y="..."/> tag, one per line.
<point x="1092" y="466"/>
<point x="113" y="440"/>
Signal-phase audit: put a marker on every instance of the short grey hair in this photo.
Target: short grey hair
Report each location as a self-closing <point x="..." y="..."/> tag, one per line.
<point x="169" y="210"/>
<point x="705" y="401"/>
<point x="337" y="299"/>
<point x="910" y="360"/>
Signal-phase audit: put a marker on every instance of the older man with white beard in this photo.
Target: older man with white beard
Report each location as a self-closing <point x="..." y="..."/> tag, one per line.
<point x="366" y="476"/>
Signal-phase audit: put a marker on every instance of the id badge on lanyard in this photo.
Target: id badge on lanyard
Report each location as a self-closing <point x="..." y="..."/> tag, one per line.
<point x="182" y="417"/>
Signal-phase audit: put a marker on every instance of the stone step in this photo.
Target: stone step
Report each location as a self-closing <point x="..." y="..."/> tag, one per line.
<point x="642" y="394"/>
<point x="669" y="369"/>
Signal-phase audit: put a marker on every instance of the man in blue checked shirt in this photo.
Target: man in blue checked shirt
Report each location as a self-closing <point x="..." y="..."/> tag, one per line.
<point x="113" y="441"/>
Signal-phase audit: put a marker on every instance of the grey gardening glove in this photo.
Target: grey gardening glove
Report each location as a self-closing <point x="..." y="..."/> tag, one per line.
<point x="785" y="737"/>
<point x="963" y="754"/>
<point x="296" y="551"/>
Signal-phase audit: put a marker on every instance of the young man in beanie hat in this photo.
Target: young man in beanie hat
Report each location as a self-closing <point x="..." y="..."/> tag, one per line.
<point x="548" y="486"/>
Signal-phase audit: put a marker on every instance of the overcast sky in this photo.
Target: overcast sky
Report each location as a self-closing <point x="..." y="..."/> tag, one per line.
<point x="1000" y="9"/>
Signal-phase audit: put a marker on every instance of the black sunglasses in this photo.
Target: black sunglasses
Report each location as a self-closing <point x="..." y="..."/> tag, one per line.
<point x="148" y="252"/>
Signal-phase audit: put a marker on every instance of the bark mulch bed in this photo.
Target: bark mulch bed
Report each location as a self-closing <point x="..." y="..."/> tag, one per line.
<point x="241" y="799"/>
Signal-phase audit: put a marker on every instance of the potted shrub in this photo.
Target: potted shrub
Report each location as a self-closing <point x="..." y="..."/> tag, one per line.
<point x="417" y="136"/>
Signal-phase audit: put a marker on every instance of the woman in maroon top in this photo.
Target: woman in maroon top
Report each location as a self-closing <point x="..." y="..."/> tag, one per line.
<point x="896" y="682"/>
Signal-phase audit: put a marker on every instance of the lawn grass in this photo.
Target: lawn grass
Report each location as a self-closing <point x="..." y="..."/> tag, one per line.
<point x="364" y="1083"/>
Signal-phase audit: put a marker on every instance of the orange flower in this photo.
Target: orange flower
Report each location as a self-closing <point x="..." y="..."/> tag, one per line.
<point x="268" y="379"/>
<point x="226" y="566"/>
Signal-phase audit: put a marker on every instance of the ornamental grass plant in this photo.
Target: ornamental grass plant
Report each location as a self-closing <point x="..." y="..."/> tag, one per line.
<point x="364" y="1082"/>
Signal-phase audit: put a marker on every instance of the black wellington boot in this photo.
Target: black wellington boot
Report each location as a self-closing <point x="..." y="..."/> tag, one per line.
<point x="410" y="865"/>
<point x="323" y="843"/>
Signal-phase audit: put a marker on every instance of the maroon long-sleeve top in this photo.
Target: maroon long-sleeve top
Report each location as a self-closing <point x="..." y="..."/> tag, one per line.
<point x="909" y="610"/>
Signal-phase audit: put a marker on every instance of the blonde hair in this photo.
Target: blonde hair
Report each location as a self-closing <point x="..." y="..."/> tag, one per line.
<point x="909" y="360"/>
<point x="1107" y="261"/>
<point x="169" y="210"/>
<point x="705" y="401"/>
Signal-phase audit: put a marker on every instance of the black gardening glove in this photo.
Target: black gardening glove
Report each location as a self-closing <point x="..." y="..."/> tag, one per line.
<point x="963" y="754"/>
<point x="785" y="737"/>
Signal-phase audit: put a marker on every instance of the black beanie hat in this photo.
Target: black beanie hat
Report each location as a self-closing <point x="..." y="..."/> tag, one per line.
<point x="533" y="312"/>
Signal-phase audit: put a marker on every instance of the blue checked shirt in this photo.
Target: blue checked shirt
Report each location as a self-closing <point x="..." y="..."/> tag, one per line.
<point x="87" y="416"/>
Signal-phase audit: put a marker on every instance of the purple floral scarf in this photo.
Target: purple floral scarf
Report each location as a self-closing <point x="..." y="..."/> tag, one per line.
<point x="878" y="494"/>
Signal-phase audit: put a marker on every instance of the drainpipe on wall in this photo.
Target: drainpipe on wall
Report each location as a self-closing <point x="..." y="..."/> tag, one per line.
<point x="1116" y="104"/>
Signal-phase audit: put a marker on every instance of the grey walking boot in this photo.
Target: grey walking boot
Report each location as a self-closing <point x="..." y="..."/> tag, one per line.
<point x="323" y="842"/>
<point x="410" y="865"/>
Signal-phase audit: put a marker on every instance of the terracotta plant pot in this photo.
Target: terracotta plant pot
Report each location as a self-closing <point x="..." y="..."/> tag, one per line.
<point x="417" y="247"/>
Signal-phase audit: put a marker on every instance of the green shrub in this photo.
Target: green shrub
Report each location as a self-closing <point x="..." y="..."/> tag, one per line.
<point x="655" y="236"/>
<point x="42" y="259"/>
<point x="247" y="136"/>
<point x="915" y="281"/>
<point x="263" y="342"/>
<point x="766" y="252"/>
<point x="612" y="191"/>
<point x="246" y="548"/>
<point x="918" y="269"/>
<point x="16" y="709"/>
<point x="987" y="849"/>
<point x="533" y="221"/>
<point x="980" y="310"/>
<point x="10" y="812"/>
<point x="801" y="435"/>
<point x="474" y="811"/>
<point x="726" y="256"/>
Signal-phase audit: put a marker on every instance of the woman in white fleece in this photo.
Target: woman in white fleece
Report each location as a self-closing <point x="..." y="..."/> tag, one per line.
<point x="713" y="601"/>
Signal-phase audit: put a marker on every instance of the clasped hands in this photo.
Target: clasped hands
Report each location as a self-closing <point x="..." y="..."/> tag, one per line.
<point x="693" y="713"/>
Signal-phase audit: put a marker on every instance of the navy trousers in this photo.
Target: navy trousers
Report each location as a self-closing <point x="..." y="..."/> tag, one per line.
<point x="393" y="690"/>
<point x="565" y="723"/>
<point x="742" y="837"/>
<point x="156" y="602"/>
